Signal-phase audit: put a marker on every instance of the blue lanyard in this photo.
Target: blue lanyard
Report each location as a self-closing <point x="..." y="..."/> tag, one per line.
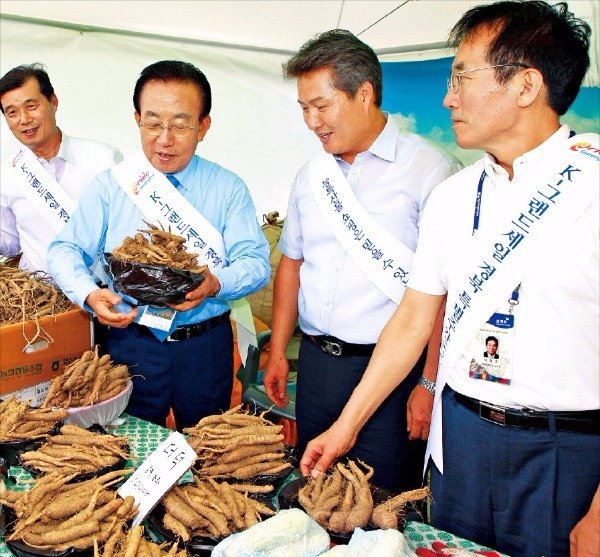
<point x="480" y="193"/>
<point x="514" y="298"/>
<point x="478" y="202"/>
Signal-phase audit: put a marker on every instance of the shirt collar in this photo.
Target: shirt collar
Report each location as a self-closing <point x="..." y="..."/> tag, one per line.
<point x="384" y="146"/>
<point x="184" y="177"/>
<point x="529" y="159"/>
<point x="64" y="151"/>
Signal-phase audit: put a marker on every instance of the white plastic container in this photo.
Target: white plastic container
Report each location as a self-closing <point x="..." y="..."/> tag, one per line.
<point x="103" y="413"/>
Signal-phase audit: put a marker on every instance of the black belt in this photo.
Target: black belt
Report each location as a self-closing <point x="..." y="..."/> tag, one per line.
<point x="336" y="347"/>
<point x="189" y="331"/>
<point x="586" y="421"/>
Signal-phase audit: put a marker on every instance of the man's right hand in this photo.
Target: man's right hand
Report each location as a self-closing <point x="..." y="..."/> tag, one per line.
<point x="103" y="302"/>
<point x="275" y="379"/>
<point x="324" y="450"/>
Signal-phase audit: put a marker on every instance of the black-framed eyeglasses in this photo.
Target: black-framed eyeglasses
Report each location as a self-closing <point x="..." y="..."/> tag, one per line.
<point x="176" y="130"/>
<point x="455" y="78"/>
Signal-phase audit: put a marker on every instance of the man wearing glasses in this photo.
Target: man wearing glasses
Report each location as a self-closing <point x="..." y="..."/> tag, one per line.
<point x="510" y="244"/>
<point x="186" y="364"/>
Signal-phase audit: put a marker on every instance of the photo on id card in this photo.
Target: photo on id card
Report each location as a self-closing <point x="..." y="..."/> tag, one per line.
<point x="490" y="351"/>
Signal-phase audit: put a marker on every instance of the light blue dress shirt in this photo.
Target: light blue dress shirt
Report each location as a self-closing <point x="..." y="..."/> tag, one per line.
<point x="105" y="216"/>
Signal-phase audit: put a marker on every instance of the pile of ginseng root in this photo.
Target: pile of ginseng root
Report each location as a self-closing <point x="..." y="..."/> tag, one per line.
<point x="19" y="421"/>
<point x="57" y="515"/>
<point x="161" y="248"/>
<point x="29" y="296"/>
<point x="211" y="508"/>
<point x="86" y="381"/>
<point x="238" y="445"/>
<point x="341" y="500"/>
<point x="133" y="544"/>
<point x="76" y="450"/>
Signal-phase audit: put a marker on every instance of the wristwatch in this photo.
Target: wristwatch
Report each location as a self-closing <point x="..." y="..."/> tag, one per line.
<point x="426" y="384"/>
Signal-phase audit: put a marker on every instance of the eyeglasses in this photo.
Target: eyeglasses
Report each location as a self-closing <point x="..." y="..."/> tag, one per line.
<point x="176" y="130"/>
<point x="455" y="78"/>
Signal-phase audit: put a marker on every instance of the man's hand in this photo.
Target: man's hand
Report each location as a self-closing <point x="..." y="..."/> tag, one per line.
<point x="418" y="413"/>
<point x="275" y="379"/>
<point x="103" y="302"/>
<point x="207" y="288"/>
<point x="322" y="451"/>
<point x="585" y="537"/>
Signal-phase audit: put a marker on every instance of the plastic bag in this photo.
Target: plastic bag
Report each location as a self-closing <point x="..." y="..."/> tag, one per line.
<point x="290" y="533"/>
<point x="155" y="285"/>
<point x="374" y="543"/>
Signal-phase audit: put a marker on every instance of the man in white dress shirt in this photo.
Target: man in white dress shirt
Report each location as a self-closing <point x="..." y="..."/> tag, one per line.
<point x="60" y="166"/>
<point x="348" y="241"/>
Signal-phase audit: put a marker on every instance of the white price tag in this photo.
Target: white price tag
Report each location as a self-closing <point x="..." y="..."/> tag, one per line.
<point x="158" y="473"/>
<point x="158" y="318"/>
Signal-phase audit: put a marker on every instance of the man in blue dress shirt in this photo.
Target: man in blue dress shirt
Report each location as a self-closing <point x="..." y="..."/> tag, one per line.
<point x="189" y="367"/>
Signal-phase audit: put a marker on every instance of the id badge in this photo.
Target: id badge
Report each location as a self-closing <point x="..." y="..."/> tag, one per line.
<point x="158" y="318"/>
<point x="491" y="350"/>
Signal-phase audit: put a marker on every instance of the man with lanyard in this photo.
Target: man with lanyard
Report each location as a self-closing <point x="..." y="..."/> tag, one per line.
<point x="43" y="181"/>
<point x="512" y="241"/>
<point x="185" y="362"/>
<point x="348" y="241"/>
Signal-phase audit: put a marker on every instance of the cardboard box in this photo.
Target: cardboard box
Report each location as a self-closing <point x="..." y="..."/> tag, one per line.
<point x="23" y="365"/>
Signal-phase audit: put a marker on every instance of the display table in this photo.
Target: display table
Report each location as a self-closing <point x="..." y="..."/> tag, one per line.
<point x="144" y="437"/>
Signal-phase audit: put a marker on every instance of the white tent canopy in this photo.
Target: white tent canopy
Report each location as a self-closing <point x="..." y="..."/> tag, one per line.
<point x="94" y="51"/>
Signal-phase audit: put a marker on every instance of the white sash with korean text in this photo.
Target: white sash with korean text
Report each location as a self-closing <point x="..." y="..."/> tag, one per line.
<point x="508" y="245"/>
<point x="384" y="260"/>
<point x="157" y="199"/>
<point x="160" y="202"/>
<point x="48" y="197"/>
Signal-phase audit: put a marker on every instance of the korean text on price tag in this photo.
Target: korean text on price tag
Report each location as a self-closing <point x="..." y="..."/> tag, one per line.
<point x="157" y="474"/>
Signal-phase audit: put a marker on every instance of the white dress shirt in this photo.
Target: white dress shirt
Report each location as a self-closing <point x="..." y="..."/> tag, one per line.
<point x="22" y="228"/>
<point x="392" y="181"/>
<point x="555" y="347"/>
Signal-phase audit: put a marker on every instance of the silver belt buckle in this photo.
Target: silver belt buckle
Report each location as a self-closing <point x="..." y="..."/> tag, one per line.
<point x="497" y="413"/>
<point x="186" y="329"/>
<point x="333" y="348"/>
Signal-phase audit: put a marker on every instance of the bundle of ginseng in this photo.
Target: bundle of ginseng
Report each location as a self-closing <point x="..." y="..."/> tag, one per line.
<point x="29" y="296"/>
<point x="76" y="449"/>
<point x="209" y="508"/>
<point x="238" y="445"/>
<point x="19" y="421"/>
<point x="163" y="248"/>
<point x="339" y="500"/>
<point x="58" y="515"/>
<point x="86" y="381"/>
<point x="132" y="543"/>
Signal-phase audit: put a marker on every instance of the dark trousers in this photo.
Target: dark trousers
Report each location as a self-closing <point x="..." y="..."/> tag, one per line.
<point x="516" y="490"/>
<point x="100" y="336"/>
<point x="194" y="377"/>
<point x="325" y="384"/>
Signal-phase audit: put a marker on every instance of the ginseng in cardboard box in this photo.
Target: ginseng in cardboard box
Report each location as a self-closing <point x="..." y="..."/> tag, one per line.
<point x="23" y="365"/>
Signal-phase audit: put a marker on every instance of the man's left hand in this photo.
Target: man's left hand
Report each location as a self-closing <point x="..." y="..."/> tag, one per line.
<point x="207" y="288"/>
<point x="418" y="413"/>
